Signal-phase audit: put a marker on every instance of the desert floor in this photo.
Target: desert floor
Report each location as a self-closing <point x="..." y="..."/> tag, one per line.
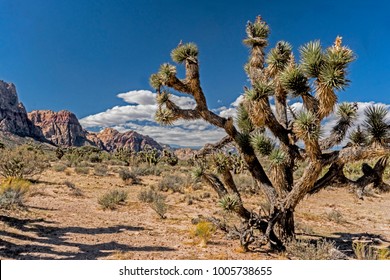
<point x="57" y="224"/>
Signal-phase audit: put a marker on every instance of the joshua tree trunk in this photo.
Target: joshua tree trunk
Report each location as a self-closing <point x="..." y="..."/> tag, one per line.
<point x="278" y="75"/>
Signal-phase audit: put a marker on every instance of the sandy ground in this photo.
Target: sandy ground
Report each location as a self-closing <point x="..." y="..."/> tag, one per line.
<point x="56" y="224"/>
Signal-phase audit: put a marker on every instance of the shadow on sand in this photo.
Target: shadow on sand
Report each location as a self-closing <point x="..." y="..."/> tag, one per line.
<point x="47" y="235"/>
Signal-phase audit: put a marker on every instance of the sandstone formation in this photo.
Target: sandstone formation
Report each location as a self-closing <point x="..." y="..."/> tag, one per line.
<point x="13" y="115"/>
<point x="184" y="153"/>
<point x="110" y="139"/>
<point x="62" y="128"/>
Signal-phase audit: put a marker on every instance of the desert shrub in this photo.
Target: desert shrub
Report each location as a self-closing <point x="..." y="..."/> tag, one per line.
<point x="145" y="170"/>
<point x="75" y="190"/>
<point x="147" y="195"/>
<point x="159" y="206"/>
<point x="75" y="155"/>
<point x="116" y="162"/>
<point x="81" y="170"/>
<point x="304" y="228"/>
<point x="203" y="231"/>
<point x="155" y="200"/>
<point x="245" y="183"/>
<point x="100" y="170"/>
<point x="95" y="158"/>
<point x="59" y="167"/>
<point x="22" y="162"/>
<point x="111" y="199"/>
<point x="335" y="216"/>
<point x="171" y="182"/>
<point x="129" y="177"/>
<point x="365" y="251"/>
<point x="320" y="250"/>
<point x="13" y="192"/>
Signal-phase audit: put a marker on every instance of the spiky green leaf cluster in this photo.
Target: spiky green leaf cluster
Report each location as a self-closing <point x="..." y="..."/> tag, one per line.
<point x="221" y="162"/>
<point x="260" y="90"/>
<point x="333" y="77"/>
<point x="184" y="52"/>
<point x="334" y="69"/>
<point x="347" y="111"/>
<point x="279" y="56"/>
<point x="164" y="116"/>
<point x="155" y="81"/>
<point x="358" y="137"/>
<point x="277" y="157"/>
<point x="262" y="144"/>
<point x="230" y="203"/>
<point x="163" y="97"/>
<point x="294" y="80"/>
<point x="257" y="33"/>
<point x="197" y="173"/>
<point x="376" y="124"/>
<point x="243" y="121"/>
<point x="305" y="126"/>
<point x="166" y="72"/>
<point x="312" y="58"/>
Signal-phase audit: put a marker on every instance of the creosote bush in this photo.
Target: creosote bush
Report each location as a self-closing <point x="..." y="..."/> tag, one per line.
<point x="59" y="167"/>
<point x="82" y="170"/>
<point x="112" y="199"/>
<point x="100" y="170"/>
<point x="319" y="250"/>
<point x="24" y="161"/>
<point x="155" y="200"/>
<point x="129" y="177"/>
<point x="171" y="182"/>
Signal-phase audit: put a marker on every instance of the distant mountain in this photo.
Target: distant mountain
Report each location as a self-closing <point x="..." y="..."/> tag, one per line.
<point x="110" y="139"/>
<point x="59" y="128"/>
<point x="13" y="115"/>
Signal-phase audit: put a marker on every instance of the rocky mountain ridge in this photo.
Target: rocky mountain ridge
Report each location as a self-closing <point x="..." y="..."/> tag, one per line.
<point x="61" y="128"/>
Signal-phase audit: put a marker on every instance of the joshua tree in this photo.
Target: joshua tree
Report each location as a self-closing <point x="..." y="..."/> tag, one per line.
<point x="287" y="137"/>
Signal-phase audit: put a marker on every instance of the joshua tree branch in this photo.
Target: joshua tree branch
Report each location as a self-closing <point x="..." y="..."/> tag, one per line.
<point x="208" y="148"/>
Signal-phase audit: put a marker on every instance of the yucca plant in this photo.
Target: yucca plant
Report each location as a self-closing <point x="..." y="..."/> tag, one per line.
<point x="264" y="114"/>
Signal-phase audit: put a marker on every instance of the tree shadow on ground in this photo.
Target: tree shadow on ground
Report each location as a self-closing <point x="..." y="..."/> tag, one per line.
<point x="43" y="237"/>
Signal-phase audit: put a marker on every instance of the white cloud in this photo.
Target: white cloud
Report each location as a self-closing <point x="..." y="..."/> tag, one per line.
<point x="184" y="133"/>
<point x="143" y="107"/>
<point x="141" y="97"/>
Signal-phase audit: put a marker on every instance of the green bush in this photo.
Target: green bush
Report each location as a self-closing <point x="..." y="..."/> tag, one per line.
<point x="112" y="199"/>
<point x="81" y="170"/>
<point x="100" y="170"/>
<point x="155" y="200"/>
<point x="22" y="162"/>
<point x="171" y="182"/>
<point x="59" y="167"/>
<point x="129" y="177"/>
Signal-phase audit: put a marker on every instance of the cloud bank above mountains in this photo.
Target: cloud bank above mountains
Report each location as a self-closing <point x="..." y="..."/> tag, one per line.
<point x="139" y="116"/>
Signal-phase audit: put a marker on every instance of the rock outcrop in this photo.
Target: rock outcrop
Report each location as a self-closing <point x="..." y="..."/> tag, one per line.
<point x="13" y="115"/>
<point x="110" y="139"/>
<point x="184" y="153"/>
<point x="61" y="128"/>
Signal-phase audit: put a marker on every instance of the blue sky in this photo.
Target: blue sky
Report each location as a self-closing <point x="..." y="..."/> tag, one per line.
<point x="80" y="54"/>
